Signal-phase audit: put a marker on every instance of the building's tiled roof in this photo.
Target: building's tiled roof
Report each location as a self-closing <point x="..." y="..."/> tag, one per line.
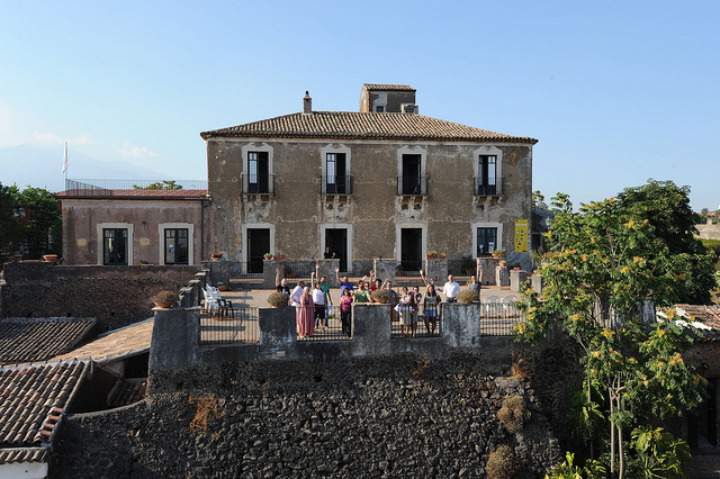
<point x="380" y="86"/>
<point x="38" y="339"/>
<point x="115" y="345"/>
<point x="364" y="126"/>
<point x="25" y="454"/>
<point x="133" y="194"/>
<point x="127" y="391"/>
<point x="33" y="399"/>
<point x="708" y="315"/>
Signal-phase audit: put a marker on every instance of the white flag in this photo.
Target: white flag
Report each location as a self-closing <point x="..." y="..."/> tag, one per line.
<point x="65" y="163"/>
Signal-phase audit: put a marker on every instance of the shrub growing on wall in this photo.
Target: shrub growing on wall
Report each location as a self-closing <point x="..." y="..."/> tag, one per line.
<point x="513" y="414"/>
<point x="502" y="463"/>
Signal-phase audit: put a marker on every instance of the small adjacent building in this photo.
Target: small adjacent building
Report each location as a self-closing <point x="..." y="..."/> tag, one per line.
<point x="383" y="182"/>
<point x="125" y="226"/>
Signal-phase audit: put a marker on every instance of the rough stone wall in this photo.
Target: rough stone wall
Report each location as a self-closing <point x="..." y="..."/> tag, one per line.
<point x="115" y="296"/>
<point x="400" y="416"/>
<point x="708" y="231"/>
<point x="298" y="208"/>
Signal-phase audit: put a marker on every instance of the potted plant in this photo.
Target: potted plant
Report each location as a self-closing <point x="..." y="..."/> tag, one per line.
<point x="499" y="253"/>
<point x="50" y="258"/>
<point x="279" y="257"/>
<point x="165" y="298"/>
<point x="216" y="256"/>
<point x="381" y="296"/>
<point x="442" y="255"/>
<point x="432" y="254"/>
<point x="467" y="296"/>
<point x="267" y="256"/>
<point x="277" y="299"/>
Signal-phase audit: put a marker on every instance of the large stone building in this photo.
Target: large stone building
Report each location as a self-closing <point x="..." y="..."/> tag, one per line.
<point x="384" y="182"/>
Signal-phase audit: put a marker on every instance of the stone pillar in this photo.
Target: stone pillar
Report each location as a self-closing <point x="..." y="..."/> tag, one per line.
<point x="278" y="330"/>
<point x="385" y="269"/>
<point x="218" y="271"/>
<point x="460" y="324"/>
<point x="502" y="276"/>
<point x="438" y="269"/>
<point x="326" y="267"/>
<point x="370" y="329"/>
<point x="517" y="278"/>
<point x="201" y="277"/>
<point x="270" y="268"/>
<point x="486" y="269"/>
<point x="175" y="338"/>
<point x="537" y="283"/>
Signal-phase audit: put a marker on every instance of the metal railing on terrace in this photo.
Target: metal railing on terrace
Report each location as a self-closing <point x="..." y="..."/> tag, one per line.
<point x="337" y="185"/>
<point x="105" y="188"/>
<point x="239" y="327"/>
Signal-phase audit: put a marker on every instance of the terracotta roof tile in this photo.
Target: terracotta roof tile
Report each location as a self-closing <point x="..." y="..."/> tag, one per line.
<point x="31" y="423"/>
<point x="38" y="339"/>
<point x="24" y="454"/>
<point x="380" y="86"/>
<point x="365" y="126"/>
<point x="133" y="194"/>
<point x="114" y="345"/>
<point x="708" y="315"/>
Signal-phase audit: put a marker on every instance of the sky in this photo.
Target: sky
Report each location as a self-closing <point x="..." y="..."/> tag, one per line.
<point x="615" y="91"/>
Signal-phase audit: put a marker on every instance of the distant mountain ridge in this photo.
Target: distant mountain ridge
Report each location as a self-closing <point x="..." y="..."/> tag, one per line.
<point x="41" y="167"/>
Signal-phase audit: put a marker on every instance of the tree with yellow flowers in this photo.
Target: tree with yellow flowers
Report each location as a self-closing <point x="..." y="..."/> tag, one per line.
<point x="604" y="269"/>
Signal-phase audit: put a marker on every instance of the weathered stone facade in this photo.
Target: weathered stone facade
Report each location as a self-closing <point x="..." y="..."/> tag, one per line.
<point x="445" y="208"/>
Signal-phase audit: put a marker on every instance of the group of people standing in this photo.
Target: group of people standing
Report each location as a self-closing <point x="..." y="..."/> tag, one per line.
<point x="314" y="305"/>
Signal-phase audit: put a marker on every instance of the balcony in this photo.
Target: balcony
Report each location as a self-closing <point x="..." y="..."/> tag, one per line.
<point x="259" y="185"/>
<point x="484" y="189"/>
<point x="337" y="185"/>
<point x="412" y="185"/>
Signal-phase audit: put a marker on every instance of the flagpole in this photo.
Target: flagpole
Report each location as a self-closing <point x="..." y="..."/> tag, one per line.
<point x="65" y="163"/>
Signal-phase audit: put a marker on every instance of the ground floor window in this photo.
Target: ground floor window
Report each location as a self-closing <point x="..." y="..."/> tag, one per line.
<point x="115" y="246"/>
<point x="176" y="246"/>
<point x="486" y="241"/>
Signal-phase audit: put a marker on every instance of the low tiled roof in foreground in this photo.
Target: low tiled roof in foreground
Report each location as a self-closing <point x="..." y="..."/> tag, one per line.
<point x="343" y="125"/>
<point x="708" y="315"/>
<point x="24" y="340"/>
<point x="33" y="399"/>
<point x="24" y="454"/>
<point x="114" y="345"/>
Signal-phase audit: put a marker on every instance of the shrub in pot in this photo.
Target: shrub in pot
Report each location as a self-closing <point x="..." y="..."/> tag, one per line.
<point x="165" y="298"/>
<point x="277" y="299"/>
<point x="380" y="296"/>
<point x="467" y="296"/>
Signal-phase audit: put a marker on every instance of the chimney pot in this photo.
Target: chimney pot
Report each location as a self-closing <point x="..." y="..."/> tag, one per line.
<point x="307" y="103"/>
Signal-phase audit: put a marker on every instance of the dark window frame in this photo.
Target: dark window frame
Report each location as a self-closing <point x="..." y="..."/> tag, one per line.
<point x="484" y="242"/>
<point x="113" y="240"/>
<point x="175" y="236"/>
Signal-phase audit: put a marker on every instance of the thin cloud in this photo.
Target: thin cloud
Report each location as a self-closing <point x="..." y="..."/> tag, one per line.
<point x="53" y="139"/>
<point x="133" y="151"/>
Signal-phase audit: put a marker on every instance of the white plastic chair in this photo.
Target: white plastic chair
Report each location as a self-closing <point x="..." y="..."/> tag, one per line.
<point x="211" y="302"/>
<point x="490" y="306"/>
<point x="508" y="305"/>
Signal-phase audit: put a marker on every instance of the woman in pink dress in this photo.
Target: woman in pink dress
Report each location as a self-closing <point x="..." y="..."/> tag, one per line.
<point x="305" y="314"/>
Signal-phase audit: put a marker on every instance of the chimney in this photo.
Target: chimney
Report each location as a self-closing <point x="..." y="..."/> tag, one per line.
<point x="307" y="103"/>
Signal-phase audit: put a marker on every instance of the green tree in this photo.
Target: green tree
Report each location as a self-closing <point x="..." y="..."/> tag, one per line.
<point x="667" y="207"/>
<point x="41" y="216"/>
<point x="164" y="185"/>
<point x="11" y="231"/>
<point x="603" y="267"/>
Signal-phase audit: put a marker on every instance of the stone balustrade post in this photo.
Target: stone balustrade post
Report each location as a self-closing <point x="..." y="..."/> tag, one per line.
<point x="461" y="324"/>
<point x="278" y="330"/>
<point x="370" y="329"/>
<point x="175" y="338"/>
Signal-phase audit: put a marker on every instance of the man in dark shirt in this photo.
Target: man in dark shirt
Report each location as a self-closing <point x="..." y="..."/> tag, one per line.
<point x="281" y="286"/>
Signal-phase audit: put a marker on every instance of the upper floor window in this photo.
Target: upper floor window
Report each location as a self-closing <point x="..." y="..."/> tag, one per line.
<point x="115" y="246"/>
<point x="487" y="180"/>
<point x="177" y="246"/>
<point x="336" y="177"/>
<point x="380" y="109"/>
<point x="411" y="180"/>
<point x="258" y="172"/>
<point x="337" y="181"/>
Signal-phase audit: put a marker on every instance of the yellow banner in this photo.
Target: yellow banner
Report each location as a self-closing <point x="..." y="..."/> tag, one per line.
<point x="521" y="236"/>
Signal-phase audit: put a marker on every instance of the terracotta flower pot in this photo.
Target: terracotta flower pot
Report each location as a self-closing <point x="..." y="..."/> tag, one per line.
<point x="50" y="257"/>
<point x="216" y="256"/>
